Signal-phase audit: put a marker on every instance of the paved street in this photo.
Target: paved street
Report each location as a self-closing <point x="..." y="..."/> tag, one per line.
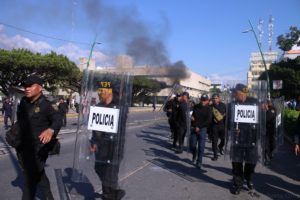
<point x="152" y="171"/>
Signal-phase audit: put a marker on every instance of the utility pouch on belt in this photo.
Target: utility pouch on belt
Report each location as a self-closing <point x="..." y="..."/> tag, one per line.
<point x="217" y="115"/>
<point x="13" y="136"/>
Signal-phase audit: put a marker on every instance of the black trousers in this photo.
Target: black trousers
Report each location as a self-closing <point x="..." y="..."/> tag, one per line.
<point x="269" y="145"/>
<point x="180" y="136"/>
<point x="241" y="172"/>
<point x="34" y="173"/>
<point x="108" y="174"/>
<point x="64" y="119"/>
<point x="218" y="131"/>
<point x="34" y="180"/>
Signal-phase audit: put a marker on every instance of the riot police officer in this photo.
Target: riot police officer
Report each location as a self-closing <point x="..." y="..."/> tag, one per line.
<point x="40" y="122"/>
<point x="244" y="151"/>
<point x="168" y="108"/>
<point x="270" y="131"/>
<point x="182" y="120"/>
<point x="108" y="147"/>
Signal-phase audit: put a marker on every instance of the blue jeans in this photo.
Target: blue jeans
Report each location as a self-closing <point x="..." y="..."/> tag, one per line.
<point x="200" y="139"/>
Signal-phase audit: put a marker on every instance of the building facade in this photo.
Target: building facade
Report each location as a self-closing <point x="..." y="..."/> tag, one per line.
<point x="257" y="66"/>
<point x="193" y="83"/>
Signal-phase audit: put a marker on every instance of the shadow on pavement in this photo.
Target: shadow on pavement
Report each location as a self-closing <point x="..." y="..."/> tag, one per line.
<point x="273" y="186"/>
<point x="189" y="173"/>
<point x="285" y="162"/>
<point x="83" y="188"/>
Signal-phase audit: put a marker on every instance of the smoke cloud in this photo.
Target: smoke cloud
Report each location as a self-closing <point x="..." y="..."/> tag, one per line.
<point x="123" y="29"/>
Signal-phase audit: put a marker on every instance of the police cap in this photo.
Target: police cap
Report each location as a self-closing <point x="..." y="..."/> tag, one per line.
<point x="241" y="87"/>
<point x="33" y="79"/>
<point x="105" y="84"/>
<point x="204" y="97"/>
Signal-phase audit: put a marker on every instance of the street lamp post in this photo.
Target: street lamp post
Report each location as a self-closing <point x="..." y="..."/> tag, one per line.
<point x="86" y="71"/>
<point x="262" y="56"/>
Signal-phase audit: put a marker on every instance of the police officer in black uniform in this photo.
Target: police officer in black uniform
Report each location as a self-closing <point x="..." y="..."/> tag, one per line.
<point x="244" y="152"/>
<point x="168" y="108"/>
<point x="7" y="109"/>
<point x="182" y="120"/>
<point x="270" y="132"/>
<point x="63" y="109"/>
<point x="218" y="125"/>
<point x="39" y="122"/>
<point x="108" y="147"/>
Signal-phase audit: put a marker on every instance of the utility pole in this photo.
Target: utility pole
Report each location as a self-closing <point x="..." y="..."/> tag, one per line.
<point x="263" y="59"/>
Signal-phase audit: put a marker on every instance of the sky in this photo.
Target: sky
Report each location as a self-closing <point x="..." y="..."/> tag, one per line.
<point x="206" y="36"/>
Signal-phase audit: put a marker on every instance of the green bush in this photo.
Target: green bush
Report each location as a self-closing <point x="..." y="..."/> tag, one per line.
<point x="290" y="118"/>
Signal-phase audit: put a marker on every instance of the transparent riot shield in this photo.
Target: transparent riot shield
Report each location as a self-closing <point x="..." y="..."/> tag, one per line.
<point x="16" y="94"/>
<point x="246" y="124"/>
<point x="278" y="137"/>
<point x="100" y="138"/>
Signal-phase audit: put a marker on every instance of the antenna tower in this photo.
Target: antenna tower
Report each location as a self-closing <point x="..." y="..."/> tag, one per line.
<point x="260" y="31"/>
<point x="271" y="25"/>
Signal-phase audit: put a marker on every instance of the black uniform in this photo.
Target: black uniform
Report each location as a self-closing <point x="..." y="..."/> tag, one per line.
<point x="270" y="133"/>
<point x="63" y="109"/>
<point x="218" y="127"/>
<point x="181" y="118"/>
<point x="7" y="110"/>
<point x="110" y="148"/>
<point x="245" y="150"/>
<point x="33" y="119"/>
<point x="171" y="108"/>
<point x="202" y="116"/>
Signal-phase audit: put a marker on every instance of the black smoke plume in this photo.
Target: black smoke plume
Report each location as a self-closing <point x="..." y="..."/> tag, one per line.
<point x="125" y="32"/>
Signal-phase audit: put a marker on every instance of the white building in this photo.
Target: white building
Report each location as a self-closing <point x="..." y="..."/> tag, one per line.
<point x="291" y="54"/>
<point x="194" y="83"/>
<point x="257" y="66"/>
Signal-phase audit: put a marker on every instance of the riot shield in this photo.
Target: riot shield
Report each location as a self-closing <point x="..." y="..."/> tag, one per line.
<point x="16" y="96"/>
<point x="100" y="138"/>
<point x="278" y="137"/>
<point x="246" y="124"/>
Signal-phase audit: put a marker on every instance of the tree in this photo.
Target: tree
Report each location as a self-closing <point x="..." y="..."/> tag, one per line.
<point x="287" y="41"/>
<point x="56" y="70"/>
<point x="289" y="72"/>
<point x="144" y="87"/>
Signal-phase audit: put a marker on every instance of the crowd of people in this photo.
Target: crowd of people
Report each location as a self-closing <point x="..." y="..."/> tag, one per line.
<point x="211" y="118"/>
<point x="40" y="121"/>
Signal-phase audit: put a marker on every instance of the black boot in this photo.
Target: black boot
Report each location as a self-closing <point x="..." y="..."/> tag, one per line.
<point x="107" y="193"/>
<point x="236" y="189"/>
<point x="119" y="194"/>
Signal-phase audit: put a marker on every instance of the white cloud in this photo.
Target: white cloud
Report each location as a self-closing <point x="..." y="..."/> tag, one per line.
<point x="70" y="50"/>
<point x="18" y="41"/>
<point x="73" y="52"/>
